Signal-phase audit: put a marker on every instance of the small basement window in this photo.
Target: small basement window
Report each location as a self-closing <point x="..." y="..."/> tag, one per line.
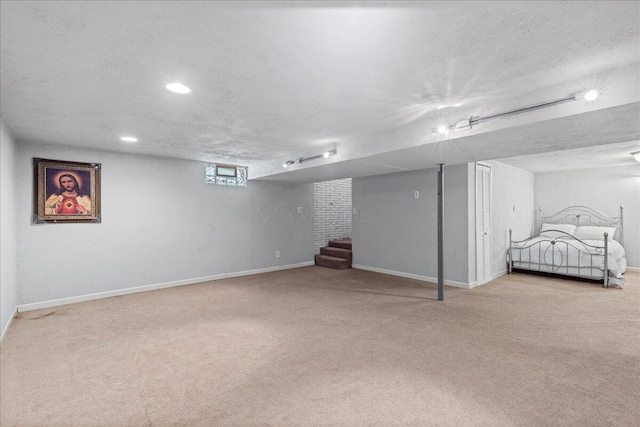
<point x="226" y="175"/>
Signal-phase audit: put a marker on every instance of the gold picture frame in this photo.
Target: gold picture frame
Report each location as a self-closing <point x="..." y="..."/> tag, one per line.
<point x="66" y="191"/>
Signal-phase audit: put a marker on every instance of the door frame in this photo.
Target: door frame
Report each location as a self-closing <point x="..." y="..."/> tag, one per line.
<point x="475" y="223"/>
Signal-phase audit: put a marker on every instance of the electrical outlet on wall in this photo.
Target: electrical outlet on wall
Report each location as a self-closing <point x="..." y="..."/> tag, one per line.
<point x="416" y="194"/>
<point x="299" y="209"/>
<point x="277" y="254"/>
<point x="354" y="211"/>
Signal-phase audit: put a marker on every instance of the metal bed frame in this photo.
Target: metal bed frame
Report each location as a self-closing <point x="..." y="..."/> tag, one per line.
<point x="578" y="216"/>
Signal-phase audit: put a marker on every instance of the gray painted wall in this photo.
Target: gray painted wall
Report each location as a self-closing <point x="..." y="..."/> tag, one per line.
<point x="511" y="207"/>
<point x="603" y="189"/>
<point x="8" y="235"/>
<point x="332" y="211"/>
<point x="392" y="230"/>
<point x="160" y="223"/>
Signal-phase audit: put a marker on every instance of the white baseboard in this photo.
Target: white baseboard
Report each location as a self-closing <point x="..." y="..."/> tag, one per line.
<point x="499" y="274"/>
<point x="126" y="291"/>
<point x="6" y="328"/>
<point x="633" y="268"/>
<point x="493" y="277"/>
<point x="415" y="276"/>
<point x="269" y="269"/>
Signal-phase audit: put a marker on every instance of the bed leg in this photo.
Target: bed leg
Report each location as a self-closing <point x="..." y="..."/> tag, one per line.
<point x="621" y="225"/>
<point x="606" y="260"/>
<point x="509" y="252"/>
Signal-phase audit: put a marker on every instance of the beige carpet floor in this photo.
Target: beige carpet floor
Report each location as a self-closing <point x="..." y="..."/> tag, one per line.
<point x="315" y="346"/>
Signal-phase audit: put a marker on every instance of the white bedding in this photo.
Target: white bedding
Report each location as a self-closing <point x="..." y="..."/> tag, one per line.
<point x="567" y="256"/>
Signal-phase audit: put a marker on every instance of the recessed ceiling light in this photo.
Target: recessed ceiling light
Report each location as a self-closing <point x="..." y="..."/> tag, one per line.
<point x="178" y="88"/>
<point x="129" y="139"/>
<point x="440" y="107"/>
<point x="442" y="129"/>
<point x="591" y="95"/>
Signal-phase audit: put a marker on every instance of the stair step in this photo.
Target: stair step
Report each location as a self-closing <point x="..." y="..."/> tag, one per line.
<point x="344" y="244"/>
<point x="332" y="262"/>
<point x="337" y="252"/>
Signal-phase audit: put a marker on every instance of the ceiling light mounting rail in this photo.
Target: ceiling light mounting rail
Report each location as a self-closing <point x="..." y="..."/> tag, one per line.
<point x="326" y="155"/>
<point x="468" y="122"/>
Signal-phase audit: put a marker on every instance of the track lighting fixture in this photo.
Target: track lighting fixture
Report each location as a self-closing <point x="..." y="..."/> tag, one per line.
<point x="636" y="155"/>
<point x="326" y="155"/>
<point x="178" y="88"/>
<point x="591" y="95"/>
<point x="468" y="122"/>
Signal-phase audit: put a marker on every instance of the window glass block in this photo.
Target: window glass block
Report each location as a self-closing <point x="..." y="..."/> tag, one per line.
<point x="211" y="175"/>
<point x="242" y="176"/>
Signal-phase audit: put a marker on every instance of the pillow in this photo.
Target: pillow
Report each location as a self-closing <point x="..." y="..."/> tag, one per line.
<point x="594" y="233"/>
<point x="552" y="230"/>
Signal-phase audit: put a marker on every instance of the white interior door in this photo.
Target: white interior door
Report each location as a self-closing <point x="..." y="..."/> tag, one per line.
<point x="483" y="223"/>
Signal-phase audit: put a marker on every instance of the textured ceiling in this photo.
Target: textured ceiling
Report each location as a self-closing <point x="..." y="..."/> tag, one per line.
<point x="599" y="156"/>
<point x="276" y="81"/>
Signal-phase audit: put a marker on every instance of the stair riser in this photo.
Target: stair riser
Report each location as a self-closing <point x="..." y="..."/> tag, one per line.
<point x="337" y="252"/>
<point x="340" y="244"/>
<point x="330" y="263"/>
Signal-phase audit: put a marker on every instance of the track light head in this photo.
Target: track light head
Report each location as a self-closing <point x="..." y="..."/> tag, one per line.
<point x="464" y="123"/>
<point x="592" y="95"/>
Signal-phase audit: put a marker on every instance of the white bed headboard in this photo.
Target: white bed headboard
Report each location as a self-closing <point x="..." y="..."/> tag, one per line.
<point x="584" y="215"/>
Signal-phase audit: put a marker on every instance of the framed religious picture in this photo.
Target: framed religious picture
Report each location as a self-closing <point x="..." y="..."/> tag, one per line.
<point x="66" y="191"/>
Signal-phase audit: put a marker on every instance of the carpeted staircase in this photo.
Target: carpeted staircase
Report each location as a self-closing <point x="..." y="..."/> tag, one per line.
<point x="337" y="255"/>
